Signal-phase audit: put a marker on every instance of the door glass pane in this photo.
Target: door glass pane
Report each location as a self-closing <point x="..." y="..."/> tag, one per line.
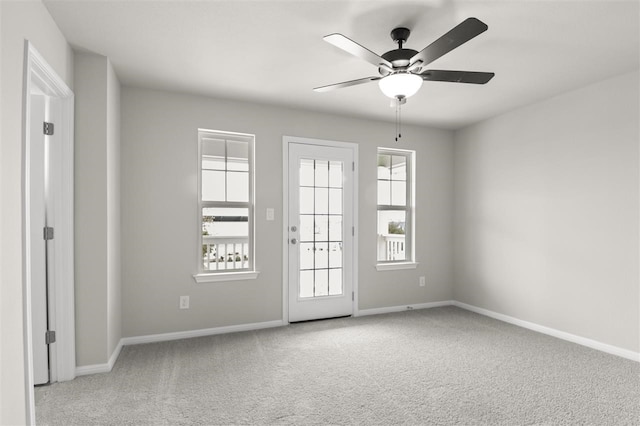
<point x="322" y="255"/>
<point x="306" y="255"/>
<point x="306" y="227"/>
<point x="335" y="282"/>
<point x="322" y="201"/>
<point x="335" y="255"/>
<point x="306" y="172"/>
<point x="335" y="174"/>
<point x="335" y="201"/>
<point x="321" y="230"/>
<point x="306" y="283"/>
<point x="322" y="174"/>
<point x="321" y="287"/>
<point x="335" y="228"/>
<point x="306" y="200"/>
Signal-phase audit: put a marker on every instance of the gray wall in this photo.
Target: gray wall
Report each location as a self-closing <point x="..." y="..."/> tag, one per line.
<point x="160" y="219"/>
<point x="97" y="210"/>
<point x="546" y="203"/>
<point x="19" y="21"/>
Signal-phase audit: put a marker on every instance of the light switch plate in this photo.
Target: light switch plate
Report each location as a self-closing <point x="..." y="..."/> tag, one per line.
<point x="270" y="213"/>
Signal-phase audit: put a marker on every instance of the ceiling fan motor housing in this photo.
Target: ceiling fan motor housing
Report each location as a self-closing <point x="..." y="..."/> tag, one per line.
<point x="399" y="58"/>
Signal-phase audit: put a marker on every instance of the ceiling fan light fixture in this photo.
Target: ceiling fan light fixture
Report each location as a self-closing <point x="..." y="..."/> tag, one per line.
<point x="401" y="85"/>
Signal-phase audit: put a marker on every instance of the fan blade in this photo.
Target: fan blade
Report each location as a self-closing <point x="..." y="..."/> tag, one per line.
<point x="355" y="49"/>
<point x="345" y="84"/>
<point x="457" y="76"/>
<point x="460" y="34"/>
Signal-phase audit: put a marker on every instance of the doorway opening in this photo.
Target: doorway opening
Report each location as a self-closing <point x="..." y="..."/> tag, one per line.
<point x="48" y="287"/>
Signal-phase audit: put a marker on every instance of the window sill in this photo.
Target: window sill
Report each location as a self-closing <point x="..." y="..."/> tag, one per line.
<point x="396" y="266"/>
<point x="226" y="276"/>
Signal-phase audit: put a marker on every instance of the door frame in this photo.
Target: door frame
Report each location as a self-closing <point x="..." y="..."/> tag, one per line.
<point x="39" y="74"/>
<point x="286" y="140"/>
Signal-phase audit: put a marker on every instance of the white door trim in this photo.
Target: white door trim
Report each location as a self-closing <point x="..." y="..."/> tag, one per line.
<point x="286" y="140"/>
<point x="39" y="74"/>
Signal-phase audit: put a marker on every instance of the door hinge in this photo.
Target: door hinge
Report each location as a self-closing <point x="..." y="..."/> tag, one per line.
<point x="50" y="337"/>
<point x="353" y="166"/>
<point x="353" y="231"/>
<point x="353" y="297"/>
<point x="48" y="233"/>
<point x="47" y="128"/>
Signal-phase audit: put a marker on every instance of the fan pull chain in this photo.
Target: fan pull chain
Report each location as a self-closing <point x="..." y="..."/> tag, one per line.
<point x="398" y="119"/>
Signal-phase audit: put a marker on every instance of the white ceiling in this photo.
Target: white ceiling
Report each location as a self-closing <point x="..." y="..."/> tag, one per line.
<point x="272" y="51"/>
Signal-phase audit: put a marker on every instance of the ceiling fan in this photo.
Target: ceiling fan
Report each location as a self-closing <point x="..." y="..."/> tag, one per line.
<point x="402" y="71"/>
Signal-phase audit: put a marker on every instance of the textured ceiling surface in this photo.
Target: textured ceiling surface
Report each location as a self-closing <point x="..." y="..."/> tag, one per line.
<point x="272" y="51"/>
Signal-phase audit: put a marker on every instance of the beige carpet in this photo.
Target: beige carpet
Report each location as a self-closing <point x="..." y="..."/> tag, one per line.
<point x="436" y="366"/>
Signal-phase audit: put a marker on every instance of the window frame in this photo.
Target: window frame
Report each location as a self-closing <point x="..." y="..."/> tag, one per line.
<point x="409" y="208"/>
<point x="249" y="272"/>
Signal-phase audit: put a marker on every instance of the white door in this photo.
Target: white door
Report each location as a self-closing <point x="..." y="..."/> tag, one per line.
<point x="38" y="263"/>
<point x="320" y="231"/>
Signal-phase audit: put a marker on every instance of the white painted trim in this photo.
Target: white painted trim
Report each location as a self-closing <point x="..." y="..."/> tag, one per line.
<point x="39" y="74"/>
<point x="593" y="344"/>
<point x="226" y="276"/>
<point x="165" y="337"/>
<point x="101" y="368"/>
<point x="390" y="309"/>
<point x="396" y="266"/>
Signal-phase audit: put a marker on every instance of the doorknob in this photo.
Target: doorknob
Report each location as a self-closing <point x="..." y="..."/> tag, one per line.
<point x="294" y="241"/>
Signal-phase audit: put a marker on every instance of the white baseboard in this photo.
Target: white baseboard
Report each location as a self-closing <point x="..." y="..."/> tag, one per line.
<point x="390" y="309"/>
<point x="85" y="370"/>
<point x="164" y="337"/>
<point x="593" y="344"/>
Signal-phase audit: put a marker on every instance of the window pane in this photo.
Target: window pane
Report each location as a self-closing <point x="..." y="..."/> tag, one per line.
<point x="237" y="156"/>
<point x="384" y="188"/>
<point x="213" y="184"/>
<point x="306" y="172"/>
<point x="391" y="235"/>
<point x="399" y="167"/>
<point x="322" y="173"/>
<point x="398" y="193"/>
<point x="210" y="162"/>
<point x="213" y="147"/>
<point x="225" y="238"/>
<point x="335" y="174"/>
<point x="237" y="186"/>
<point x="384" y="163"/>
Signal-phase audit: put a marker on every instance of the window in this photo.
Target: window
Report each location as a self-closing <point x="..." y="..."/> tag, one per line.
<point x="226" y="203"/>
<point x="395" y="206"/>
